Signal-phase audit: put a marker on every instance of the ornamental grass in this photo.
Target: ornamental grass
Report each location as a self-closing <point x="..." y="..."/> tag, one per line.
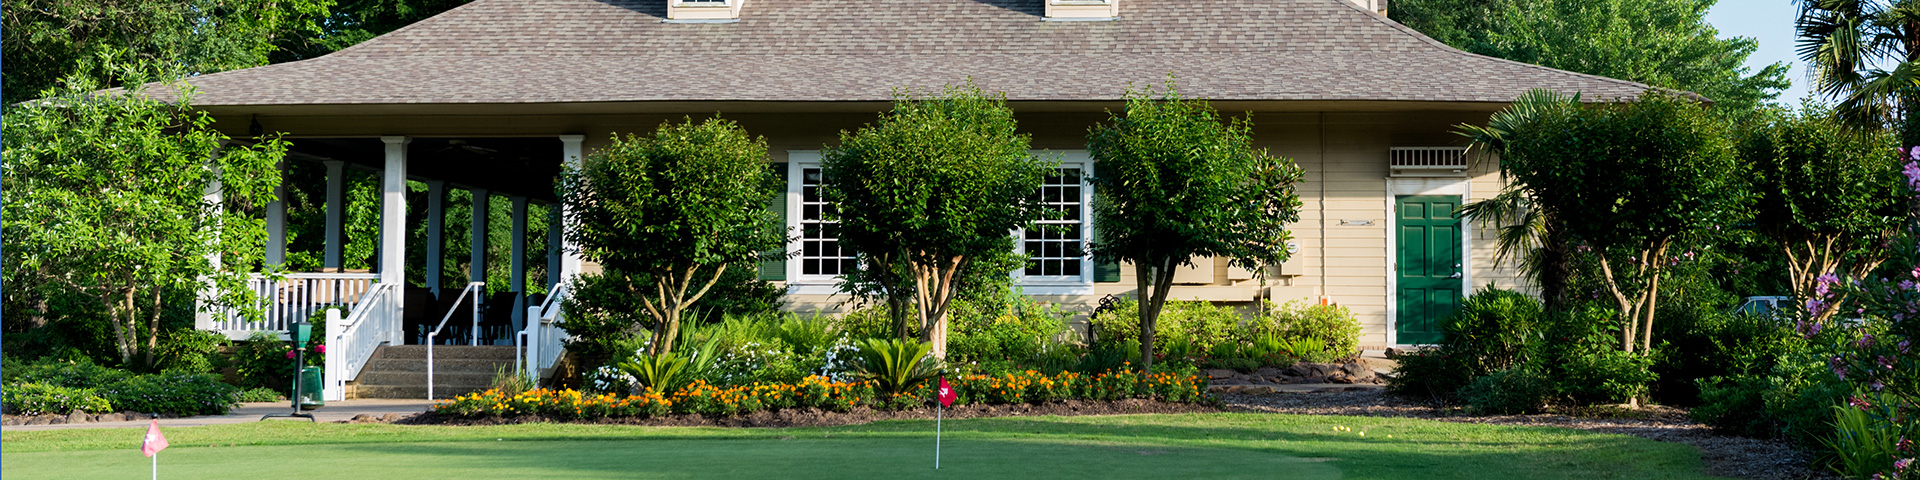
<point x="820" y="392"/>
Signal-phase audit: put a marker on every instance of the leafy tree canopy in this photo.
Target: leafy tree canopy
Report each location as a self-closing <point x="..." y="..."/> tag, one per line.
<point x="107" y="197"/>
<point x="1663" y="43"/>
<point x="1832" y="197"/>
<point x="929" y="188"/>
<point x="1174" y="182"/>
<point x="681" y="204"/>
<point x="1628" y="180"/>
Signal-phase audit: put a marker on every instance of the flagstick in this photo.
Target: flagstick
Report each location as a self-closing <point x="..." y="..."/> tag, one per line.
<point x="156" y="465"/>
<point x="938" y="412"/>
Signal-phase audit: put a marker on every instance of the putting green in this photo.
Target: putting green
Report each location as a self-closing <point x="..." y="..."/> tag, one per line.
<point x="1139" y="446"/>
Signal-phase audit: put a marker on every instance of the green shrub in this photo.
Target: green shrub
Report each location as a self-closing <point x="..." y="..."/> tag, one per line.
<point x="1202" y="325"/>
<point x="867" y="322"/>
<point x="81" y="373"/>
<point x="190" y="350"/>
<point x="261" y="361"/>
<point x="808" y="335"/>
<point x="1584" y="358"/>
<point x="1735" y="406"/>
<point x="895" y="366"/>
<point x="174" y="393"/>
<point x="661" y="373"/>
<point x="255" y="395"/>
<point x="39" y="398"/>
<point x="1493" y="330"/>
<point x="1508" y="392"/>
<point x="1432" y="373"/>
<point x="1333" y="326"/>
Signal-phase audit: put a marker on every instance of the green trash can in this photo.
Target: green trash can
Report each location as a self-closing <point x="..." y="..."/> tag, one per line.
<point x="311" y="395"/>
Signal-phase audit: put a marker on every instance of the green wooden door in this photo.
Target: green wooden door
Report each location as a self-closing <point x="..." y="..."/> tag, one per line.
<point x="1429" y="265"/>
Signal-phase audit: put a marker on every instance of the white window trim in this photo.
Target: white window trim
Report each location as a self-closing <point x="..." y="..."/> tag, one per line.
<point x="706" y="3"/>
<point x="1063" y="285"/>
<point x="797" y="283"/>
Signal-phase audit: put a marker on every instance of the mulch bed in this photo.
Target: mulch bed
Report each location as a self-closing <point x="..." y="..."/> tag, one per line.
<point x="1728" y="456"/>
<point x="813" y="417"/>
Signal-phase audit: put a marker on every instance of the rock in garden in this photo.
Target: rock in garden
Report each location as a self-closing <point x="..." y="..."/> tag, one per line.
<point x="37" y="421"/>
<point x="1221" y="374"/>
<point x="78" y="417"/>
<point x="111" y="417"/>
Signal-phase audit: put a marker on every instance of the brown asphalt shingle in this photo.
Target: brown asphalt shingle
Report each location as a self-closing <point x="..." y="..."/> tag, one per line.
<point x="558" y="51"/>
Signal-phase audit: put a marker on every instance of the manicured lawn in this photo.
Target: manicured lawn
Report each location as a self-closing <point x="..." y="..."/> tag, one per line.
<point x="1137" y="446"/>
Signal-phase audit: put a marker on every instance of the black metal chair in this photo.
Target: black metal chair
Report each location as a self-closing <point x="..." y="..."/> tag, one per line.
<point x="496" y="321"/>
<point x="419" y="306"/>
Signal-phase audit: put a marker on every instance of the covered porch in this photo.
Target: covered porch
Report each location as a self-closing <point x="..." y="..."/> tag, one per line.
<point x="363" y="224"/>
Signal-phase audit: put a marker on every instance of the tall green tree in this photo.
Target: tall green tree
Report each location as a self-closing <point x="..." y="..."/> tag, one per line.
<point x="929" y="189"/>
<point x="1629" y="180"/>
<point x="350" y="22"/>
<point x="48" y="40"/>
<point x="1663" y="43"/>
<point x="107" y="198"/>
<point x="670" y="212"/>
<point x="1176" y="182"/>
<point x="1832" y="198"/>
<point x="1862" y="53"/>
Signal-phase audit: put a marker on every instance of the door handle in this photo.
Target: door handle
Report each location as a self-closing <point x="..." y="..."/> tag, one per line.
<point x="1455" y="275"/>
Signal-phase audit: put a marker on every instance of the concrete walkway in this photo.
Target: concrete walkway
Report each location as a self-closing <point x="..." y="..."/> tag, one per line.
<point x="251" y="412"/>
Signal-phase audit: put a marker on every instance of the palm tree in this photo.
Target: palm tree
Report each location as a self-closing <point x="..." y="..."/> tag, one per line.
<point x="1525" y="231"/>
<point x="1863" y="55"/>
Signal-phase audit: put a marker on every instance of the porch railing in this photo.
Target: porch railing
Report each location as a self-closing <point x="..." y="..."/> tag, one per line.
<point x="543" y="338"/>
<point x="293" y="298"/>
<point x="351" y="341"/>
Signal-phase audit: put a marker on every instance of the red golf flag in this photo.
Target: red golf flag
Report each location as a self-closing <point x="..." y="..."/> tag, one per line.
<point x="155" y="442"/>
<point x="946" y="394"/>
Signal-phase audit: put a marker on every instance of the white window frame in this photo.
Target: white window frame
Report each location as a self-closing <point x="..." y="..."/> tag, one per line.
<point x="797" y="282"/>
<point x="1081" y="284"/>
<point x="703" y="3"/>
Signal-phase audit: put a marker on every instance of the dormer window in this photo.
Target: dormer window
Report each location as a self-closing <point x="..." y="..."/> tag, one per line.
<point x="703" y="11"/>
<point x="1082" y="10"/>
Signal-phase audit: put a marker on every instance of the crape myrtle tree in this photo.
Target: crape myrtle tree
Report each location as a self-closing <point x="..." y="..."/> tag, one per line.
<point x="1628" y="180"/>
<point x="929" y="189"/>
<point x="1176" y="182"/>
<point x="107" y="197"/>
<point x="1831" y="197"/>
<point x="668" y="213"/>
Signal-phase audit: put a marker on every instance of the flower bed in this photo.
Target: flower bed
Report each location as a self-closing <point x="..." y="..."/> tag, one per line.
<point x="1029" y="387"/>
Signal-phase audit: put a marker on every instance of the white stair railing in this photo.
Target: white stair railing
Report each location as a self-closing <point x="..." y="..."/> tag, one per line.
<point x="543" y="338"/>
<point x="472" y="288"/>
<point x="292" y="298"/>
<point x="371" y="322"/>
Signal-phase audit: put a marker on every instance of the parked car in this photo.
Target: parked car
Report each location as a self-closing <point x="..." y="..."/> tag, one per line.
<point x="1765" y="305"/>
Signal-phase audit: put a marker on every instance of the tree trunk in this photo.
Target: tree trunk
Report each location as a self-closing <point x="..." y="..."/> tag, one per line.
<point x="1143" y="288"/>
<point x="1555" y="267"/>
<point x="153" y="327"/>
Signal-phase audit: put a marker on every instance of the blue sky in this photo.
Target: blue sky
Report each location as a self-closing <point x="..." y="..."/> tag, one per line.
<point x="1771" y="23"/>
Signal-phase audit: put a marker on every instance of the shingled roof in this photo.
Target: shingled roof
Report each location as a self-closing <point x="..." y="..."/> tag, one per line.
<point x="565" y="51"/>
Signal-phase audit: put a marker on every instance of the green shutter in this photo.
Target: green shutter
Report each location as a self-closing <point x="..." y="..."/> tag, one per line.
<point x="773" y="267"/>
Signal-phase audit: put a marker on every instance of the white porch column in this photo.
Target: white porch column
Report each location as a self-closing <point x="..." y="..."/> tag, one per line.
<point x="277" y="220"/>
<point x="553" y="245"/>
<point x="336" y="207"/>
<point x="518" y="269"/>
<point x="570" y="153"/>
<point x="204" y="316"/>
<point x="393" y="228"/>
<point x="477" y="255"/>
<point x="436" y="221"/>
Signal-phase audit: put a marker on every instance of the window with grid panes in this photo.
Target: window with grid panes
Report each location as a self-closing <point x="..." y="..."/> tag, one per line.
<point x="820" y="252"/>
<point x="1056" y="245"/>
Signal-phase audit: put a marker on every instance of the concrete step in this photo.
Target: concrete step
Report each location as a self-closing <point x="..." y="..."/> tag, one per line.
<point x="439" y="365"/>
<point x="440" y="392"/>
<point x="420" y="378"/>
<point x="450" y="352"/>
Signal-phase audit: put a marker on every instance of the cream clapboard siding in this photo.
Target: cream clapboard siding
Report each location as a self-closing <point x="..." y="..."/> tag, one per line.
<point x="1345" y="157"/>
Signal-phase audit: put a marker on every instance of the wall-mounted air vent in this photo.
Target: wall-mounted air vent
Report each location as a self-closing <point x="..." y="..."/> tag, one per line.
<point x="703" y="11"/>
<point x="1429" y="161"/>
<point x="1082" y="10"/>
